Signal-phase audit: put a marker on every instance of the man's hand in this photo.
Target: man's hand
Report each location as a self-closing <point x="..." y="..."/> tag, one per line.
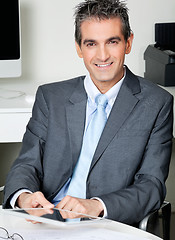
<point x="90" y="207"/>
<point x="35" y="200"/>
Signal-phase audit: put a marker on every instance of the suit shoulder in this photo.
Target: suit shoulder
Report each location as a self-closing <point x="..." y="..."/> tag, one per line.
<point x="153" y="90"/>
<point x="62" y="87"/>
<point x="63" y="84"/>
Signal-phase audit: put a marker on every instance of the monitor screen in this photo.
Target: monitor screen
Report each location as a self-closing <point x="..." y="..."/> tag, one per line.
<point x="10" y="56"/>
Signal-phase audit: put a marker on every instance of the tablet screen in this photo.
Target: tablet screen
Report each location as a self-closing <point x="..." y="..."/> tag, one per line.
<point x="51" y="216"/>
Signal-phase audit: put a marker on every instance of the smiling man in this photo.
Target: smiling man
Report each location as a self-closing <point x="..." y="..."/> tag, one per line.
<point x="98" y="144"/>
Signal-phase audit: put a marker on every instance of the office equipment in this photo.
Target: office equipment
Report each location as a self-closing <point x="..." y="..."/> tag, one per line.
<point x="160" y="57"/>
<point x="165" y="36"/>
<point x="10" y="40"/>
<point x="160" y="66"/>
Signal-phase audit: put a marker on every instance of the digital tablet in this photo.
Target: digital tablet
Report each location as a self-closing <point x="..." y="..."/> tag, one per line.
<point x="50" y="216"/>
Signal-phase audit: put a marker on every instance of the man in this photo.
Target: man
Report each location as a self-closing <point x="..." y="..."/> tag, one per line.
<point x="128" y="169"/>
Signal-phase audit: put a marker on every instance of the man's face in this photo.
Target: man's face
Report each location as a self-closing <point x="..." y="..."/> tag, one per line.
<point x="103" y="50"/>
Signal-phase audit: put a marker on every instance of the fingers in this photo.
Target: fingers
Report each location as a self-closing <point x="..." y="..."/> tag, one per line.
<point x="39" y="211"/>
<point x="74" y="207"/>
<point x="33" y="200"/>
<point x="40" y="201"/>
<point x="32" y="221"/>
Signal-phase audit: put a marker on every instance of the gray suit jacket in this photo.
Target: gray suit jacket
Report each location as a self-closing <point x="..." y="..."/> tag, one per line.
<point x="131" y="162"/>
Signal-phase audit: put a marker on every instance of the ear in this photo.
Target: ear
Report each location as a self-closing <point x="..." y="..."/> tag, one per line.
<point x="129" y="43"/>
<point x="78" y="48"/>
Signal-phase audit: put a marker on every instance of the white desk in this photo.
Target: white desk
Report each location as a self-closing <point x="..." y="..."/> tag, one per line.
<point x="16" y="103"/>
<point x="20" y="225"/>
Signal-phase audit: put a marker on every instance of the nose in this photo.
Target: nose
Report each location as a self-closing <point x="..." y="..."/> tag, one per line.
<point x="102" y="53"/>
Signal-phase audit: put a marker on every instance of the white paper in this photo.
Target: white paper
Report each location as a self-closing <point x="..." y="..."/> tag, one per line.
<point x="87" y="233"/>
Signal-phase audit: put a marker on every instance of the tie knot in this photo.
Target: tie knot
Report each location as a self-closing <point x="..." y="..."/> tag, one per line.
<point x="101" y="100"/>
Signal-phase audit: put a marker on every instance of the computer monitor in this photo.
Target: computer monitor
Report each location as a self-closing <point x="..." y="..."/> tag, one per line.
<point x="10" y="40"/>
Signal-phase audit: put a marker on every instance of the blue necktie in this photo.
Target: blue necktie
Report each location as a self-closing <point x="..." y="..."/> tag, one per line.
<point x="77" y="187"/>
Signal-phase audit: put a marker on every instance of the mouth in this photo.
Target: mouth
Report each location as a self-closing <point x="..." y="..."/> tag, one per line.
<point x="104" y="65"/>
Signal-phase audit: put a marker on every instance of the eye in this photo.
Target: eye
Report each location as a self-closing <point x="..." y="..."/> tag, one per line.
<point x="91" y="44"/>
<point x="113" y="42"/>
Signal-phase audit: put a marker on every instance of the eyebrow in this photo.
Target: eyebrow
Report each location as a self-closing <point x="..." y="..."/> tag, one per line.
<point x="109" y="39"/>
<point x="88" y="41"/>
<point x="114" y="38"/>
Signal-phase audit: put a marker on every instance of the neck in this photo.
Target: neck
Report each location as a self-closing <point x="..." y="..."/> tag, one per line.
<point x="104" y="86"/>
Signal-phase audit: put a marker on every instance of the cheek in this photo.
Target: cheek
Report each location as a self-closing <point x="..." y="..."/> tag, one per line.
<point x="88" y="57"/>
<point x="119" y="54"/>
<point x="87" y="65"/>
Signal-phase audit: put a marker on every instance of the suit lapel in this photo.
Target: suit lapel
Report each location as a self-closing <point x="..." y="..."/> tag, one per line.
<point x="122" y="108"/>
<point x="76" y="113"/>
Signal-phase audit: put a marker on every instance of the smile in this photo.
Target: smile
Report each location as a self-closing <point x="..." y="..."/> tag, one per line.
<point x="103" y="65"/>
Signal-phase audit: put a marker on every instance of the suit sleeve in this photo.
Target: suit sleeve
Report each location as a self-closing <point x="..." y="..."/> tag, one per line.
<point x="146" y="194"/>
<point x="29" y="162"/>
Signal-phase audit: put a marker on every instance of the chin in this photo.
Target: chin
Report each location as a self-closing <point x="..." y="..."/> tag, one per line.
<point x="105" y="79"/>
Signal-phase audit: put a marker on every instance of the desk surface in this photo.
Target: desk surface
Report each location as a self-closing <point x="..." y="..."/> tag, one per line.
<point x="28" y="230"/>
<point x="17" y="98"/>
<point x="16" y="103"/>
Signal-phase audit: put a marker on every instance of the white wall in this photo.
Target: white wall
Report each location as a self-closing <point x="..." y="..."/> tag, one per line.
<point x="47" y="40"/>
<point x="48" y="52"/>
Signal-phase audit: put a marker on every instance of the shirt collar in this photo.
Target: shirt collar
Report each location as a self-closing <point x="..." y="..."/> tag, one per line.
<point x="92" y="91"/>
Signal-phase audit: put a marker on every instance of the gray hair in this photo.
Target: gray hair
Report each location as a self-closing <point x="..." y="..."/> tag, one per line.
<point x="101" y="9"/>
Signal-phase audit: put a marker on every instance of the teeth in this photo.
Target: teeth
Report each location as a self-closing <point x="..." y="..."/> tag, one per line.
<point x="104" y="65"/>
